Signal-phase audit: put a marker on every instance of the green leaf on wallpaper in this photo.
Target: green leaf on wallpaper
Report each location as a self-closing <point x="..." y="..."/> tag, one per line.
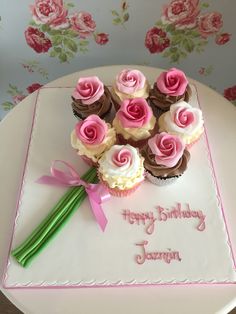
<point x="170" y="28"/>
<point x="71" y="33"/>
<point x="126" y="17"/>
<point x="57" y="40"/>
<point x="84" y="43"/>
<point x="32" y="23"/>
<point x="54" y="32"/>
<point x="159" y="23"/>
<point x="45" y="28"/>
<point x="83" y="49"/>
<point x="116" y="21"/>
<point x="188" y="44"/>
<point x="176" y="40"/>
<point x="7" y="105"/>
<point x="204" y="5"/>
<point x="114" y="13"/>
<point x="53" y="53"/>
<point x="62" y="57"/>
<point x="57" y="49"/>
<point x="194" y="33"/>
<point x="71" y="44"/>
<point x="175" y="57"/>
<point x="70" y="54"/>
<point x="69" y="5"/>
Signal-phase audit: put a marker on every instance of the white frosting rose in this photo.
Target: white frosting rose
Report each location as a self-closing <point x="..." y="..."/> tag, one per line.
<point x="182" y="120"/>
<point x="121" y="167"/>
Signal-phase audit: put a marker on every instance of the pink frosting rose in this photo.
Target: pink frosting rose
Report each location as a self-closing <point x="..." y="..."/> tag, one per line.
<point x="88" y="90"/>
<point x="50" y="12"/>
<point x="167" y="149"/>
<point x="181" y="13"/>
<point x="183" y="117"/>
<point x="172" y="82"/>
<point x="83" y="23"/>
<point x="130" y="81"/>
<point x="134" y="113"/>
<point x="122" y="157"/>
<point x="209" y="23"/>
<point x="92" y="130"/>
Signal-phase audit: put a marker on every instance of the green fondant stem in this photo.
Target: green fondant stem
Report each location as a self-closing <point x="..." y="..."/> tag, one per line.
<point x="58" y="216"/>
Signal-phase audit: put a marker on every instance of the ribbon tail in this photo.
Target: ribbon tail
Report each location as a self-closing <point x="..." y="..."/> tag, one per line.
<point x="98" y="213"/>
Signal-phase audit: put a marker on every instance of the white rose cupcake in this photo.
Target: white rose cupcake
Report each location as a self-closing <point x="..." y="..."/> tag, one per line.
<point x="183" y="120"/>
<point x="121" y="170"/>
<point x="129" y="84"/>
<point x="91" y="137"/>
<point x="165" y="158"/>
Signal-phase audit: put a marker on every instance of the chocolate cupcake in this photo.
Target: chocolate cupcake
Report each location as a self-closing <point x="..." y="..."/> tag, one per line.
<point x="170" y="87"/>
<point x="91" y="97"/>
<point x="165" y="158"/>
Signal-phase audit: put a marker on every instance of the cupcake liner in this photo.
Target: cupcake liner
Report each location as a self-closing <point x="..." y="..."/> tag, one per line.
<point x="117" y="192"/>
<point x="161" y="181"/>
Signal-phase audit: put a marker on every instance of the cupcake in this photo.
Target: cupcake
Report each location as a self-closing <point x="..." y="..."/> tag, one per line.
<point x="165" y="158"/>
<point x="170" y="87"/>
<point x="183" y="120"/>
<point x="91" y="96"/>
<point x="134" y="122"/>
<point x="91" y="137"/>
<point x="129" y="84"/>
<point x="121" y="170"/>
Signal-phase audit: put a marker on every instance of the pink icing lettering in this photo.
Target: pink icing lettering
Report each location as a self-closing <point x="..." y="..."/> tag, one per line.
<point x="147" y="219"/>
<point x="167" y="256"/>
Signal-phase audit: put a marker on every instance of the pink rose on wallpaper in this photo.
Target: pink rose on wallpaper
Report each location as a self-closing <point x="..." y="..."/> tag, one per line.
<point x="50" y="12"/>
<point x="156" y="40"/>
<point x="181" y="13"/>
<point x="209" y="23"/>
<point x="230" y="93"/>
<point x="18" y="98"/>
<point x="32" y="88"/>
<point x="37" y="40"/>
<point x="83" y="23"/>
<point x="101" y="38"/>
<point x="222" y="39"/>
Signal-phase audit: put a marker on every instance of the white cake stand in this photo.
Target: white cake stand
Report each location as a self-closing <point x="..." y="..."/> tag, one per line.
<point x="220" y="118"/>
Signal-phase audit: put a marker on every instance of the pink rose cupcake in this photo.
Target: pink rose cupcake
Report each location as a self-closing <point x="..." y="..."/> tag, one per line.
<point x="183" y="120"/>
<point x="165" y="158"/>
<point x="121" y="170"/>
<point x="91" y="96"/>
<point x="134" y="122"/>
<point x="91" y="138"/>
<point x="169" y="88"/>
<point x="129" y="84"/>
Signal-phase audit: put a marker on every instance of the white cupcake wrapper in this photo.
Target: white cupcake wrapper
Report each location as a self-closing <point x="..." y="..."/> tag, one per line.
<point x="160" y="181"/>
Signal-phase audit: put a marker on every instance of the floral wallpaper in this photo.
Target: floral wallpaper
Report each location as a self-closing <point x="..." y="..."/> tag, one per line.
<point x="42" y="40"/>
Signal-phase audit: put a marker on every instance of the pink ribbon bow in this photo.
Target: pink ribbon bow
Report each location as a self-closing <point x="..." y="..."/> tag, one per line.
<point x="97" y="193"/>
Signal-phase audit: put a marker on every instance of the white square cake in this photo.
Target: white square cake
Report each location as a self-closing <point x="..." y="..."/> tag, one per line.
<point x="172" y="234"/>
